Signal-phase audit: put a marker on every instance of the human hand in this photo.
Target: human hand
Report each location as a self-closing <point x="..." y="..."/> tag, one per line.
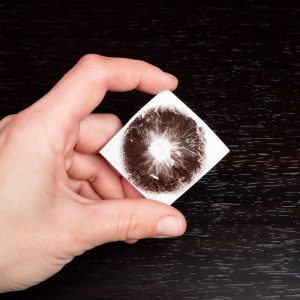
<point x="53" y="183"/>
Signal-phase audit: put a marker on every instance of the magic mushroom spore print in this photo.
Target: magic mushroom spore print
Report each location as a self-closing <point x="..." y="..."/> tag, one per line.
<point x="164" y="149"/>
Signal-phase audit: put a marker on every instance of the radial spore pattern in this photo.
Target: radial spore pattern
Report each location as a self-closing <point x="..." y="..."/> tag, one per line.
<point x="163" y="149"/>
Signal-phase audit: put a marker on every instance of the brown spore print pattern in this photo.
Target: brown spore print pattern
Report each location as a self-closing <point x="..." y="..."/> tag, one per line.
<point x="163" y="149"/>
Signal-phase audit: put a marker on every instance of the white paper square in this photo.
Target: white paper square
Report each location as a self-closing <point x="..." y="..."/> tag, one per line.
<point x="164" y="149"/>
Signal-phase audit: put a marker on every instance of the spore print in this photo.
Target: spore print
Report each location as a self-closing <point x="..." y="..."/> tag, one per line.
<point x="163" y="150"/>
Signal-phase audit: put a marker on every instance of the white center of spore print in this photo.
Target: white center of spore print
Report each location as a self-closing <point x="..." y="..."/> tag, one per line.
<point x="160" y="148"/>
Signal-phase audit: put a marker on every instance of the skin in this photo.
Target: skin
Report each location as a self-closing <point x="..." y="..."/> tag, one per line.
<point x="58" y="197"/>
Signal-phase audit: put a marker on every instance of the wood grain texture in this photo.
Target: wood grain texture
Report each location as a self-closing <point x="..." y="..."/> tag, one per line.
<point x="238" y="67"/>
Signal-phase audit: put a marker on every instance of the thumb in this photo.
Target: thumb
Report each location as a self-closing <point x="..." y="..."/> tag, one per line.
<point x="131" y="219"/>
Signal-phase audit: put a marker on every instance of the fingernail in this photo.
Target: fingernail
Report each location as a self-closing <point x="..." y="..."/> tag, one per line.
<point x="131" y="241"/>
<point x="168" y="227"/>
<point x="170" y="75"/>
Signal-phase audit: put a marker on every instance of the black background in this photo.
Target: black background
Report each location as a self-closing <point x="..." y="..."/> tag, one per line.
<point x="238" y="68"/>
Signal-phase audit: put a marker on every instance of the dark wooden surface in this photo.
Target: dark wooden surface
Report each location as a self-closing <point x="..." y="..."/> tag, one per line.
<point x="238" y="66"/>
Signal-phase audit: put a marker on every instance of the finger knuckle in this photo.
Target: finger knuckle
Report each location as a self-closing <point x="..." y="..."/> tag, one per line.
<point x="90" y="60"/>
<point x="94" y="66"/>
<point x="7" y="119"/>
<point x="21" y="123"/>
<point x="115" y="121"/>
<point x="17" y="130"/>
<point x="128" y="225"/>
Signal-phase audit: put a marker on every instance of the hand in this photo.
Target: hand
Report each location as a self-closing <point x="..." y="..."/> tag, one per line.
<point x="53" y="183"/>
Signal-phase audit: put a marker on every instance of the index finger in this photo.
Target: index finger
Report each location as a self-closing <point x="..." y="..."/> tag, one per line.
<point x="82" y="89"/>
